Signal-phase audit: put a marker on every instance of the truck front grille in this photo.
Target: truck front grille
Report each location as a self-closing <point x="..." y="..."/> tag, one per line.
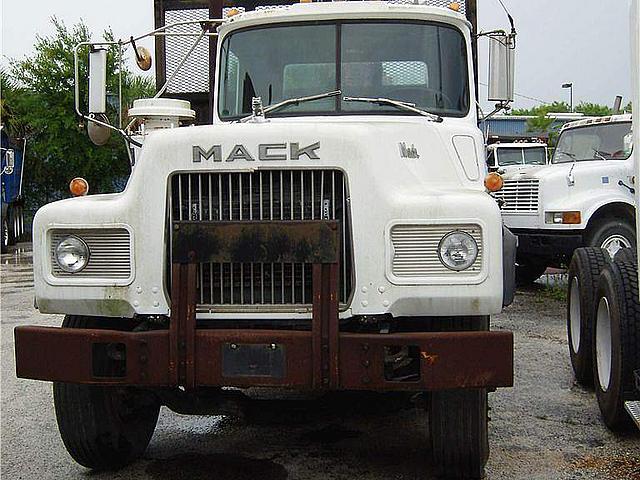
<point x="289" y="195"/>
<point x="520" y="196"/>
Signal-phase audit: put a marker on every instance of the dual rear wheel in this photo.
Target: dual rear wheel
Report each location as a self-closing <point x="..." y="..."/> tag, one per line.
<point x="603" y="325"/>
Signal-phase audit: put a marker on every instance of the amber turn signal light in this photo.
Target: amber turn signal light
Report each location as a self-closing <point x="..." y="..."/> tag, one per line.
<point x="455" y="6"/>
<point x="78" y="187"/>
<point x="572" y="218"/>
<point x="493" y="182"/>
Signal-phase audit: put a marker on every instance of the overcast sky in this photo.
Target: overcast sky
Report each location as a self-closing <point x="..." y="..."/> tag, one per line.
<point x="581" y="41"/>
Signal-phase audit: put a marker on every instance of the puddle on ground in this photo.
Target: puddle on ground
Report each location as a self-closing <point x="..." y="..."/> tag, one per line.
<point x="329" y="434"/>
<point x="216" y="466"/>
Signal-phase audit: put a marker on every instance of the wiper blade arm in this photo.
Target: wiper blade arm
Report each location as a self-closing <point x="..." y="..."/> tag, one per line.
<point x="295" y="101"/>
<point x="410" y="107"/>
<point x="598" y="154"/>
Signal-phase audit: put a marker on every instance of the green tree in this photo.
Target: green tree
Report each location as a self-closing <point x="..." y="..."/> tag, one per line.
<point x="542" y="110"/>
<point x="593" y="109"/>
<point x="58" y="147"/>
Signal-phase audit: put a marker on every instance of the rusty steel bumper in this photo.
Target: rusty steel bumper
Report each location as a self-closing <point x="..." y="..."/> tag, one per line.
<point x="322" y="359"/>
<point x="447" y="360"/>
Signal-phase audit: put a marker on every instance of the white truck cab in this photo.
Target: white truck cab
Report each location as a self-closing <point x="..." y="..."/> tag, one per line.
<point x="328" y="228"/>
<point x="507" y="157"/>
<point x="585" y="196"/>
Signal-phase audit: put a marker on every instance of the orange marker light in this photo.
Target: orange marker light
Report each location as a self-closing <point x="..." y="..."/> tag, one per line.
<point x="455" y="6"/>
<point x="78" y="187"/>
<point x="572" y="218"/>
<point x="493" y="182"/>
<point x="232" y="12"/>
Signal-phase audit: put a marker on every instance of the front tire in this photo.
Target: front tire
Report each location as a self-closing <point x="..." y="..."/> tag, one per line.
<point x="458" y="420"/>
<point x="584" y="272"/>
<point x="103" y="428"/>
<point x="616" y="345"/>
<point x="612" y="235"/>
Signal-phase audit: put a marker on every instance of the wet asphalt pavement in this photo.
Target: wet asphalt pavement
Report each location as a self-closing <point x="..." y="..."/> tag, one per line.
<point x="546" y="427"/>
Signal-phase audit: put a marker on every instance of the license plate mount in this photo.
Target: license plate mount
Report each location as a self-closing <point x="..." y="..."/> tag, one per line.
<point x="253" y="360"/>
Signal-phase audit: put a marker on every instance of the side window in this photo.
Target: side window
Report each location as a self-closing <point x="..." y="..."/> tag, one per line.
<point x="230" y="102"/>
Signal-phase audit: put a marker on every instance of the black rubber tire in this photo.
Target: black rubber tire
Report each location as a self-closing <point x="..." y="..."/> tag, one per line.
<point x="619" y="285"/>
<point x="527" y="273"/>
<point x="103" y="428"/>
<point x="458" y="421"/>
<point x="584" y="272"/>
<point x="459" y="433"/>
<point x="599" y="232"/>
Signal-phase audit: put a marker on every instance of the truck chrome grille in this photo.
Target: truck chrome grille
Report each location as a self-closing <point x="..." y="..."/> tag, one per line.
<point x="415" y="250"/>
<point x="110" y="253"/>
<point x="520" y="196"/>
<point x="289" y="195"/>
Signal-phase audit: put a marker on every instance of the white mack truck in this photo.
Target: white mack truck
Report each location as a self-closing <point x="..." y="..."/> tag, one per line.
<point x="603" y="312"/>
<point x="327" y="227"/>
<point x="585" y="197"/>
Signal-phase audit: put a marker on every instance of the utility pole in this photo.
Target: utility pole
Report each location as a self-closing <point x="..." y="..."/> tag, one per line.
<point x="570" y="87"/>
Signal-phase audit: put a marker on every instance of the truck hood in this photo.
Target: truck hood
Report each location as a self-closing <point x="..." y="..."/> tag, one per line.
<point x="555" y="171"/>
<point x="447" y="154"/>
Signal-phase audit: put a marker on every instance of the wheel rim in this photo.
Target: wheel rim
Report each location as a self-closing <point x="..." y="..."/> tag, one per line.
<point x="5" y="234"/>
<point x="574" y="314"/>
<point x="603" y="344"/>
<point x="614" y="243"/>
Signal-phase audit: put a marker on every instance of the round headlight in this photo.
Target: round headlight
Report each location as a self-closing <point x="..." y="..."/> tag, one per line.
<point x="458" y="250"/>
<point x="72" y="254"/>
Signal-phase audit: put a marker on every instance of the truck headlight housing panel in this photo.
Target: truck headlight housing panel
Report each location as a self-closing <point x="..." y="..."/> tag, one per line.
<point x="72" y="254"/>
<point x="458" y="250"/>
<point x="566" y="218"/>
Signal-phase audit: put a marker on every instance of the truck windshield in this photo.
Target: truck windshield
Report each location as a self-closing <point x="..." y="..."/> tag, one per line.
<point x="421" y="63"/>
<point x="509" y="156"/>
<point x="607" y="141"/>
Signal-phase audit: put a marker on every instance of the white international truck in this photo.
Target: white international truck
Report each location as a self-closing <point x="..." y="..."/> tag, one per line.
<point x="327" y="228"/>
<point x="516" y="156"/>
<point x="584" y="197"/>
<point x="603" y="312"/>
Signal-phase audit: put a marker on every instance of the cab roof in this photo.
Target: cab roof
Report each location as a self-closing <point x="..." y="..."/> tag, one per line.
<point x="627" y="117"/>
<point x="343" y="10"/>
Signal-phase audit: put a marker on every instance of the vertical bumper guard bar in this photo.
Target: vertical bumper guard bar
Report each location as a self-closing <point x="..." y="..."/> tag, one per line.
<point x="314" y="242"/>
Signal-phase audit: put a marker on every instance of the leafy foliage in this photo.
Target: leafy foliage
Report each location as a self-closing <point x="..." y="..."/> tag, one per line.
<point x="40" y="99"/>
<point x="542" y="110"/>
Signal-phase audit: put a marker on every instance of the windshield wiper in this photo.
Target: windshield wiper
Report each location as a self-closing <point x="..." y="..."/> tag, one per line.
<point x="572" y="156"/>
<point x="598" y="154"/>
<point x="410" y="107"/>
<point x="291" y="101"/>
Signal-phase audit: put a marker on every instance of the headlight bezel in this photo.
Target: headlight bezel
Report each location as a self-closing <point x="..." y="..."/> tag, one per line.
<point x="80" y="244"/>
<point x="467" y="264"/>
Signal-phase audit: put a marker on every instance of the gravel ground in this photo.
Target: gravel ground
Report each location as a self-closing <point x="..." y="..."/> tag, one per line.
<point x="546" y="427"/>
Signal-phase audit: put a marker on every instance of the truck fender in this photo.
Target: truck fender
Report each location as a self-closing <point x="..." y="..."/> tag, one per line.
<point x="509" y="247"/>
<point x="617" y="201"/>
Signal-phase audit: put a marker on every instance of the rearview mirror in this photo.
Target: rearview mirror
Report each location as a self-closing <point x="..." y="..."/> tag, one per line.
<point x="98" y="81"/>
<point x="501" y="67"/>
